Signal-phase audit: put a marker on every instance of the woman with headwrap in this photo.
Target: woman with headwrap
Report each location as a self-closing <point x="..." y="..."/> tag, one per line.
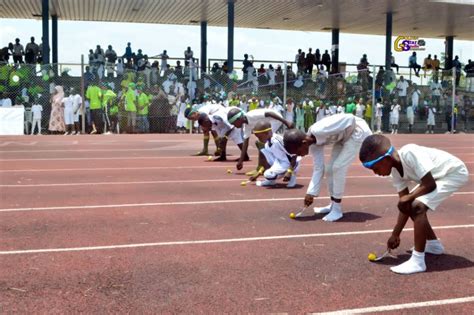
<point x="56" y="119"/>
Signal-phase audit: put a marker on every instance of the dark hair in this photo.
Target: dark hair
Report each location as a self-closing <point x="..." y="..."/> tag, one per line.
<point x="373" y="145"/>
<point x="293" y="139"/>
<point x="232" y="112"/>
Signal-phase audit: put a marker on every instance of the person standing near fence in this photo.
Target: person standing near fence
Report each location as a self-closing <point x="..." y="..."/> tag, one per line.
<point x="77" y="105"/>
<point x="37" y="111"/>
<point x="300" y="113"/>
<point x="56" y="118"/>
<point x="143" y="102"/>
<point x="402" y="87"/>
<point x="94" y="95"/>
<point x="131" y="107"/>
<point x="68" y="113"/>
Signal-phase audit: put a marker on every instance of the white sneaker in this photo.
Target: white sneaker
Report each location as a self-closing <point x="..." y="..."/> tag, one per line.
<point x="265" y="183"/>
<point x="427" y="131"/>
<point x="292" y="182"/>
<point x="66" y="133"/>
<point x="73" y="133"/>
<point x="432" y="131"/>
<point x="396" y="131"/>
<point x="107" y="133"/>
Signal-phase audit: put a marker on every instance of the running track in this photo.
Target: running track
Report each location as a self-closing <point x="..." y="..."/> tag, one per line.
<point x="134" y="224"/>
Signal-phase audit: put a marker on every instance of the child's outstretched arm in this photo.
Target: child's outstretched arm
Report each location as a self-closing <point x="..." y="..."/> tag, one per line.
<point x="243" y="152"/>
<point x="394" y="240"/>
<point x="275" y="116"/>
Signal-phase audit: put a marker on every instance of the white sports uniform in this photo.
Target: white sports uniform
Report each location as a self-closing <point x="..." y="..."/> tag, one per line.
<point x="431" y="116"/>
<point x="221" y="125"/>
<point x="279" y="159"/>
<point x="347" y="133"/>
<point x="77" y="102"/>
<point x="449" y="172"/>
<point x="395" y="114"/>
<point x="68" y="110"/>
<point x="257" y="115"/>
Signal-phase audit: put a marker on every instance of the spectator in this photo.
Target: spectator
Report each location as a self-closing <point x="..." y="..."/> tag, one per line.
<point x="427" y="64"/>
<point x="139" y="56"/>
<point x="40" y="53"/>
<point x="178" y="70"/>
<point x="111" y="55"/>
<point x="31" y="51"/>
<point x="155" y="73"/>
<point x="415" y="96"/>
<point x="246" y="64"/>
<point x="402" y="87"/>
<point x="5" y="101"/>
<point x="143" y="103"/>
<point x="317" y="58"/>
<point x="430" y="123"/>
<point x="88" y="77"/>
<point x="164" y="60"/>
<point x="56" y="118"/>
<point x="469" y="69"/>
<point x="360" y="109"/>
<point x="310" y="61"/>
<point x="94" y="95"/>
<point x="395" y="116"/>
<point x="392" y="62"/>
<point x="413" y="65"/>
<point x="457" y="66"/>
<point x="215" y="68"/>
<point x="301" y="64"/>
<point x="410" y="117"/>
<point x="128" y="54"/>
<point x="5" y="53"/>
<point x="436" y="90"/>
<point x="379" y="77"/>
<point x="99" y="51"/>
<point x="297" y="57"/>
<point x="119" y="68"/>
<point x="368" y="114"/>
<point x="261" y="70"/>
<point x="225" y="67"/>
<point x="131" y="107"/>
<point x="436" y="66"/>
<point x="271" y="74"/>
<point x="36" y="110"/>
<point x="466" y="112"/>
<point x="18" y="52"/>
<point x="188" y="54"/>
<point x="326" y="61"/>
<point x="378" y="115"/>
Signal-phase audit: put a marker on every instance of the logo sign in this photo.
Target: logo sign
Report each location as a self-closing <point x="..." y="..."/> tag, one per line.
<point x="406" y="43"/>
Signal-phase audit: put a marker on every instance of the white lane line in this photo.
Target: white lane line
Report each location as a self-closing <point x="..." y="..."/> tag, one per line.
<point x="189" y="181"/>
<point x="203" y="202"/>
<point x="394" y="307"/>
<point x="122" y="158"/>
<point x="227" y="165"/>
<point x="217" y="241"/>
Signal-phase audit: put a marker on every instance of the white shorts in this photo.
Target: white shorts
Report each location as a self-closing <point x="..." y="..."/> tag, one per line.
<point x="411" y="120"/>
<point x="445" y="187"/>
<point x="68" y="116"/>
<point x="235" y="135"/>
<point x="394" y="120"/>
<point x="431" y="121"/>
<point x="76" y="116"/>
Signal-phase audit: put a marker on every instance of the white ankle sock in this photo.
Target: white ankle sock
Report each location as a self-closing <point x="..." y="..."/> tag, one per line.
<point x="335" y="214"/>
<point x="415" y="264"/>
<point x="323" y="210"/>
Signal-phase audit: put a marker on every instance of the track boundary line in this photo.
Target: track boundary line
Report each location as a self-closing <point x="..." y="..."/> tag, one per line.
<point x="394" y="307"/>
<point x="203" y="202"/>
<point x="229" y="165"/>
<point x="218" y="241"/>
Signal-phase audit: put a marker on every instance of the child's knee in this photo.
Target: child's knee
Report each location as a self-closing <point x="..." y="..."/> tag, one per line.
<point x="417" y="208"/>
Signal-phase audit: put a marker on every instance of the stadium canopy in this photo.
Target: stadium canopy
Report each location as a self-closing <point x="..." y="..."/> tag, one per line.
<point x="423" y="18"/>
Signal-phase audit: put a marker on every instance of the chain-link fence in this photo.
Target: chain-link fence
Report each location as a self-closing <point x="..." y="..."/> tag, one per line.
<point x="117" y="100"/>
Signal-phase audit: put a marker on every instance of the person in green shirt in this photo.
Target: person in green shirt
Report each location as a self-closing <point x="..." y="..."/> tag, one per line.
<point x="368" y="114"/>
<point x="142" y="111"/>
<point x="351" y="106"/>
<point x="108" y="98"/>
<point x="131" y="107"/>
<point x="234" y="101"/>
<point x="94" y="95"/>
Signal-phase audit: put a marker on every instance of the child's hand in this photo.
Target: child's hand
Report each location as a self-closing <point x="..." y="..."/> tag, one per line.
<point x="287" y="177"/>
<point x="239" y="165"/>
<point x="254" y="177"/>
<point x="393" y="242"/>
<point x="308" y="200"/>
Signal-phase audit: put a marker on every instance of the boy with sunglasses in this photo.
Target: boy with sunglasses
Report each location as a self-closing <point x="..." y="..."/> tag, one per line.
<point x="346" y="133"/>
<point x="438" y="175"/>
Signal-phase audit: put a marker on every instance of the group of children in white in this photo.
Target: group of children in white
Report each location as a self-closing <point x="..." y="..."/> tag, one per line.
<point x="437" y="174"/>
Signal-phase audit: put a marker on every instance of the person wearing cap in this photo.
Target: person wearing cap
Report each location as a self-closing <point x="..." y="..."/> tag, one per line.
<point x="278" y="162"/>
<point x="247" y="122"/>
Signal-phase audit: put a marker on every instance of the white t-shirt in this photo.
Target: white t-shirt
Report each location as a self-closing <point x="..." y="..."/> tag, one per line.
<point x="321" y="113"/>
<point x="396" y="110"/>
<point x="417" y="161"/>
<point x="360" y="110"/>
<point x="257" y="115"/>
<point x="431" y="116"/>
<point x="219" y="118"/>
<point x="378" y="112"/>
<point x="402" y="86"/>
<point x="338" y="128"/>
<point x="410" y="113"/>
<point x="77" y="102"/>
<point x="6" y="102"/>
<point x="436" y="89"/>
<point x="277" y="148"/>
<point x="415" y="97"/>
<point x="36" y="110"/>
<point x="210" y="109"/>
<point x="68" y="102"/>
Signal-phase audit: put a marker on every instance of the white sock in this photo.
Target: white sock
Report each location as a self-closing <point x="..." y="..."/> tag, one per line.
<point x="415" y="264"/>
<point x="335" y="214"/>
<point x="292" y="182"/>
<point x="265" y="183"/>
<point x="323" y="210"/>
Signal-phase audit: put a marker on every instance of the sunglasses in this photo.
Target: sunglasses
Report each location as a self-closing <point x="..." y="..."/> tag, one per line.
<point x="370" y="164"/>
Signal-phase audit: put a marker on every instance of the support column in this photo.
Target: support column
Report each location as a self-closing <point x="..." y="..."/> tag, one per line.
<point x="45" y="40"/>
<point x="335" y="51"/>
<point x="54" y="42"/>
<point x="388" y="41"/>
<point x="230" y="34"/>
<point x="448" y="64"/>
<point x="203" y="46"/>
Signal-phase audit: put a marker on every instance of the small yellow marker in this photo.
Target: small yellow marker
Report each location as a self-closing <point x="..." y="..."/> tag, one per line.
<point x="372" y="257"/>
<point x="229" y="171"/>
<point x="209" y="158"/>
<point x="244" y="183"/>
<point x="292" y="215"/>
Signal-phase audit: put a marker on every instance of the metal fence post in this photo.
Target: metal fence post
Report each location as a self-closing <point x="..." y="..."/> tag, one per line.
<point x="453" y="99"/>
<point x="83" y="107"/>
<point x="373" y="99"/>
<point x="284" y="83"/>
<point x="190" y="80"/>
